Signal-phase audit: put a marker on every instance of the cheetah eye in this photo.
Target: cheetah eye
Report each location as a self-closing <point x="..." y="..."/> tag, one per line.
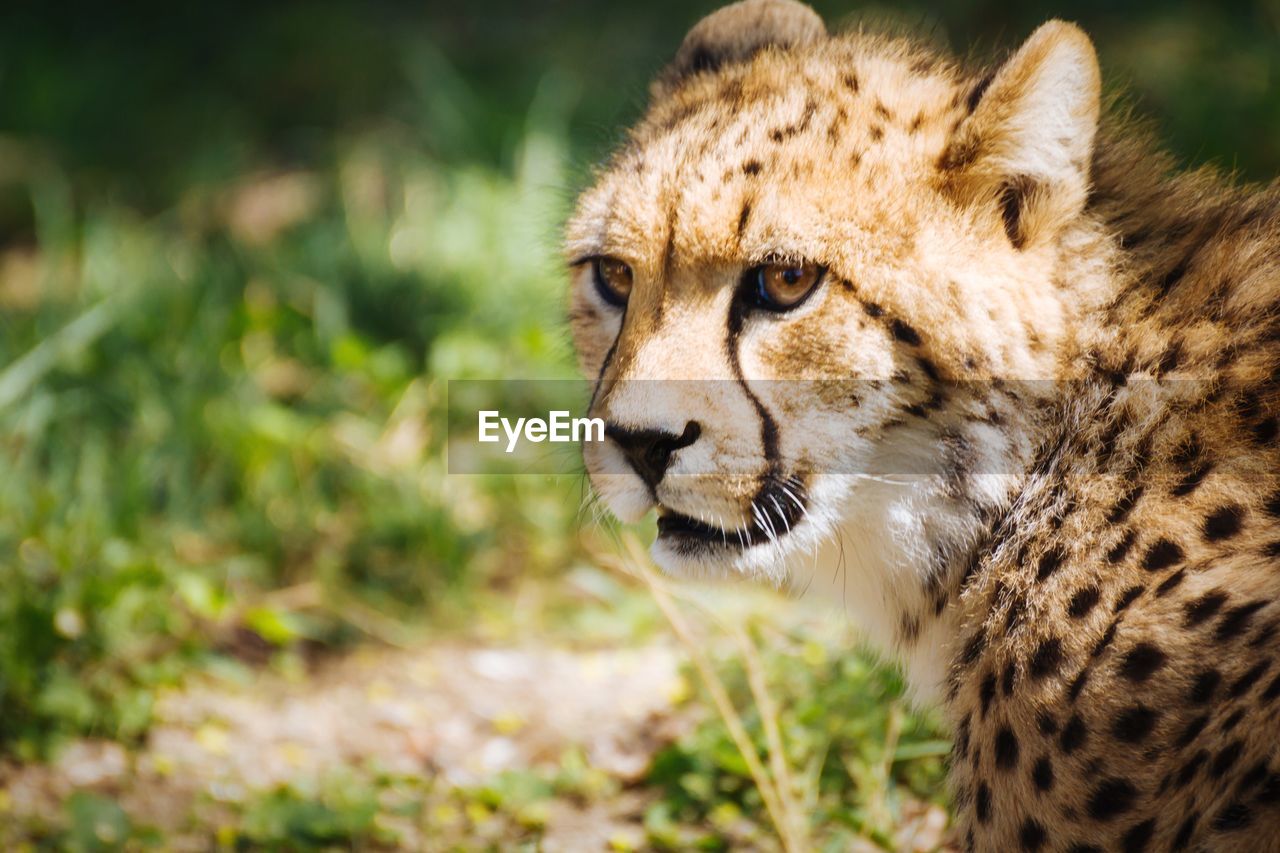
<point x="613" y="280"/>
<point x="781" y="286"/>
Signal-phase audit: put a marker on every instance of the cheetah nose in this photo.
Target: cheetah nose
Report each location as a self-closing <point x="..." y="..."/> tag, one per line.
<point x="649" y="451"/>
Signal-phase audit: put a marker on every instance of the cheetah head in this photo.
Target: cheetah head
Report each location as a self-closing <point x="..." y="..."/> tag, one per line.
<point x="804" y="253"/>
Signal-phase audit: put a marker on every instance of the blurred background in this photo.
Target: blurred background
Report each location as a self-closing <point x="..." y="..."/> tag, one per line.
<point x="243" y="246"/>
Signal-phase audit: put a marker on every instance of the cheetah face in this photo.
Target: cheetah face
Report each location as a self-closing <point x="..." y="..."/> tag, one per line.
<point x="805" y="249"/>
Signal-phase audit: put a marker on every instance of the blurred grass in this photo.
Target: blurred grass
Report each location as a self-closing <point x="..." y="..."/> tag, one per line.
<point x="243" y="246"/>
<point x="241" y="394"/>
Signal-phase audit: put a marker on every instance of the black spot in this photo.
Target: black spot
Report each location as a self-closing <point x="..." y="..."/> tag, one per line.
<point x="1042" y="773"/>
<point x="1191" y="768"/>
<point x="872" y="309"/>
<point x="1112" y="797"/>
<point x="1272" y="549"/>
<point x="1171" y="583"/>
<point x="1192" y="479"/>
<point x="1203" y="688"/>
<point x="1254" y="777"/>
<point x="743" y="216"/>
<point x="961" y="745"/>
<point x="1204" y="607"/>
<point x="1163" y="554"/>
<point x="1223" y="523"/>
<point x="1048" y="725"/>
<point x="1049" y="562"/>
<point x="1121" y="548"/>
<point x="1137" y="838"/>
<point x="1247" y="405"/>
<point x="1273" y="504"/>
<point x="1173" y="276"/>
<point x="1193" y="730"/>
<point x="1012" y="197"/>
<point x="1241" y="685"/>
<point x="904" y="332"/>
<point x="1032" y="836"/>
<point x="1269" y="794"/>
<point x="987" y="692"/>
<point x="916" y="410"/>
<point x="1129" y="596"/>
<point x="1073" y="734"/>
<point x="1046" y="660"/>
<point x="1141" y="662"/>
<point x="1172" y="355"/>
<point x="976" y="93"/>
<point x="1082" y="602"/>
<point x="1134" y="724"/>
<point x="1225" y="759"/>
<point x="1009" y="678"/>
<point x="1236" y="620"/>
<point x="1006" y="749"/>
<point x="703" y="60"/>
<point x="1077" y="684"/>
<point x="1187" y="452"/>
<point x="1272" y="691"/>
<point x="1265" y="431"/>
<point x="1264" y="636"/>
<point x="928" y="368"/>
<point x="1104" y="641"/>
<point x="1233" y="817"/>
<point x="1183" y="838"/>
<point x="973" y="648"/>
<point x="982" y="803"/>
<point x="851" y="82"/>
<point x="1125" y="505"/>
<point x="1231" y="722"/>
<point x="751" y="167"/>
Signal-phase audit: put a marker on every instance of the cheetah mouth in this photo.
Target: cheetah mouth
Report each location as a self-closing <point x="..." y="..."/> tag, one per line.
<point x="779" y="505"/>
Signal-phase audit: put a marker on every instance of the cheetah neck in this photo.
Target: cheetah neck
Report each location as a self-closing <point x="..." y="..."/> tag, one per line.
<point x="896" y="562"/>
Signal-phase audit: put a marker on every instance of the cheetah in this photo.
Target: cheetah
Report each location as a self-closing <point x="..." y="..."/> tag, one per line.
<point x="962" y="351"/>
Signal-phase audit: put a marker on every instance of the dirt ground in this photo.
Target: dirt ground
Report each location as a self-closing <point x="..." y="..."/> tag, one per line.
<point x="454" y="713"/>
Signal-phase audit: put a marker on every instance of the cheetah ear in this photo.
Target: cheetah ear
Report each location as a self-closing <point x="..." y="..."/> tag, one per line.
<point x="736" y="33"/>
<point x="1026" y="146"/>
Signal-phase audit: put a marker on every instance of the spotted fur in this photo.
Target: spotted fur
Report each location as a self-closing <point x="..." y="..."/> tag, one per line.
<point x="1026" y="430"/>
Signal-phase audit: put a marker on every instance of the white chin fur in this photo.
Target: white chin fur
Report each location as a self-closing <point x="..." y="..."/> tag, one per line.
<point x="627" y="503"/>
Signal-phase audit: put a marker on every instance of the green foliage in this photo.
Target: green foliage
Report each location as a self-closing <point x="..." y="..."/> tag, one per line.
<point x="244" y="396"/>
<point x="286" y="819"/>
<point x="847" y="728"/>
<point x="96" y="823"/>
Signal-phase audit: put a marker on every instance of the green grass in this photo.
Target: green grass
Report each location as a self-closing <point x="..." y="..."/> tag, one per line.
<point x="243" y="395"/>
